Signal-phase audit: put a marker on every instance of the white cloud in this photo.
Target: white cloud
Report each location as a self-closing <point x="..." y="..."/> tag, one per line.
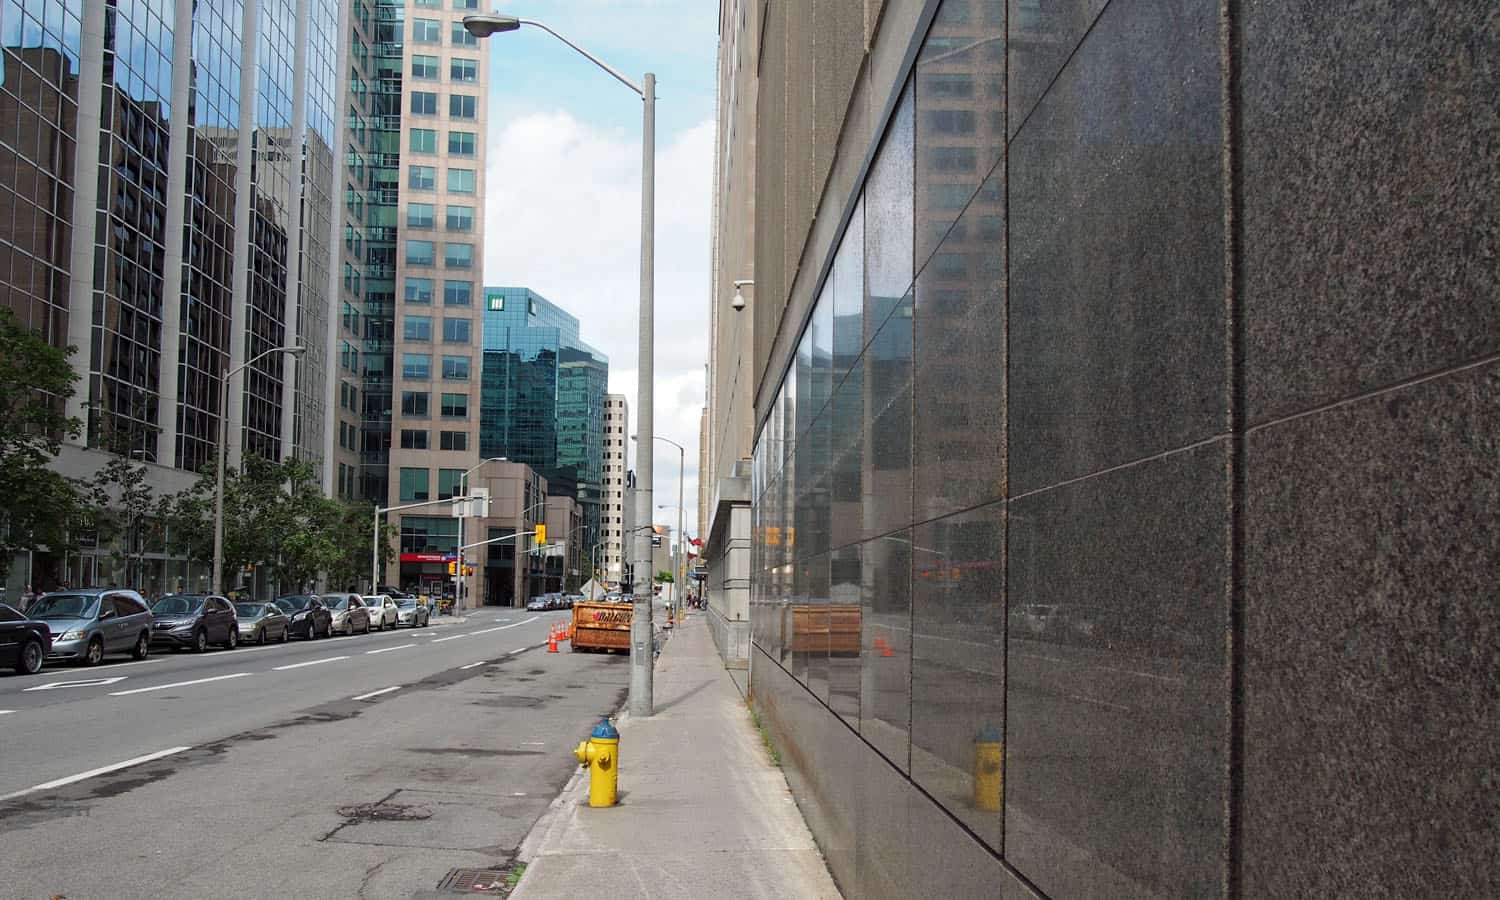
<point x="563" y="218"/>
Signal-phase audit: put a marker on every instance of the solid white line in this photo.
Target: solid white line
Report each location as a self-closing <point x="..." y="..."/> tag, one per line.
<point x="311" y="662"/>
<point x="87" y="682"/>
<point x="472" y="665"/>
<point x="162" y="687"/>
<point x="6" y="712"/>
<point x="395" y="687"/>
<point x="389" y="649"/>
<point x="451" y="637"/>
<point x="102" y="770"/>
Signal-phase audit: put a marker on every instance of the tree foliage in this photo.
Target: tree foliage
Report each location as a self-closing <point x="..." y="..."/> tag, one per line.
<point x="35" y="382"/>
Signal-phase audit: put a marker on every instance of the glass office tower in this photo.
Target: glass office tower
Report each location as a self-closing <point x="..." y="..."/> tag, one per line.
<point x="542" y="397"/>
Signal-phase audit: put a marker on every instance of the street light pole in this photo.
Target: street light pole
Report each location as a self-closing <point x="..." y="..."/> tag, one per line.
<point x="677" y="555"/>
<point x="641" y="632"/>
<point x="218" y="579"/>
<point x="460" y="586"/>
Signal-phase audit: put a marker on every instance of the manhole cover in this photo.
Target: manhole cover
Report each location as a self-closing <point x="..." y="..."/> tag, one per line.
<point x="385" y="812"/>
<point x="478" y="881"/>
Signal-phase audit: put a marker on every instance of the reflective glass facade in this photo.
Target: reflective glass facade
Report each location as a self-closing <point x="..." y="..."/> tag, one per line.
<point x="542" y="396"/>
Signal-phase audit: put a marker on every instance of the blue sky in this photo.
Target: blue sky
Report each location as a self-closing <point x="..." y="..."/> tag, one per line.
<point x="563" y="191"/>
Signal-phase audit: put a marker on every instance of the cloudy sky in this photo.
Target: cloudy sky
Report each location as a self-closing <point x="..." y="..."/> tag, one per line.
<point x="563" y="192"/>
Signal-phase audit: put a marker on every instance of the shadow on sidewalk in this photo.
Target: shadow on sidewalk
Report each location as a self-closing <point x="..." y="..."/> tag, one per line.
<point x="662" y="707"/>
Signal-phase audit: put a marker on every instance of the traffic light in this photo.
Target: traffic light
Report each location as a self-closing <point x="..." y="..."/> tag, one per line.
<point x="541" y="534"/>
<point x="453" y="568"/>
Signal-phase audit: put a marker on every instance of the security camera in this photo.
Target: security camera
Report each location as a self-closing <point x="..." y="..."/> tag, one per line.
<point x="738" y="303"/>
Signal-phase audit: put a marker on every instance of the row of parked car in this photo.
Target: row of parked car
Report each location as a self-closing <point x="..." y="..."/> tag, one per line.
<point x="553" y="601"/>
<point x="87" y="625"/>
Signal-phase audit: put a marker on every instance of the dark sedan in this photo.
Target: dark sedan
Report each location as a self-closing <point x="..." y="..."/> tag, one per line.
<point x="23" y="642"/>
<point x="194" y="621"/>
<point x="310" y="617"/>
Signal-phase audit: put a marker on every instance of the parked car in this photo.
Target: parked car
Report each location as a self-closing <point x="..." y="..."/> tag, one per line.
<point x="536" y="604"/>
<point x="309" y="616"/>
<point x="23" y="642"/>
<point x="410" y="612"/>
<point x="194" y="621"/>
<point x="395" y="593"/>
<point x="350" y="616"/>
<point x="90" y="623"/>
<point x="262" y="622"/>
<point x="383" y="611"/>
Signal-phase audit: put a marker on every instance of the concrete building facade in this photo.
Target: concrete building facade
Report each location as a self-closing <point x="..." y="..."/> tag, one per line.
<point x="614" y="514"/>
<point x="1122" y="498"/>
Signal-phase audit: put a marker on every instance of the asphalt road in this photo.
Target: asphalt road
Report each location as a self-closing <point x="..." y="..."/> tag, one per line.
<point x="364" y="766"/>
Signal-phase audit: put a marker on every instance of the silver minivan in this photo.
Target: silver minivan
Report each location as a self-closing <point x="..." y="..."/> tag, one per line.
<point x="89" y="623"/>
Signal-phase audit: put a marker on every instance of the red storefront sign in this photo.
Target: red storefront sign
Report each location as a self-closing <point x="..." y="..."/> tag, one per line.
<point x="423" y="557"/>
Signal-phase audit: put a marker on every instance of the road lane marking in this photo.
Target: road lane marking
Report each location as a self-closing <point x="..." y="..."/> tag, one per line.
<point x="102" y="770"/>
<point x="389" y="649"/>
<point x="1106" y="705"/>
<point x="503" y="627"/>
<point x="73" y="671"/>
<point x="311" y="662"/>
<point x="87" y="682"/>
<point x="6" y="712"/>
<point x="451" y="637"/>
<point x="394" y="687"/>
<point x="473" y="664"/>
<point x="162" y="687"/>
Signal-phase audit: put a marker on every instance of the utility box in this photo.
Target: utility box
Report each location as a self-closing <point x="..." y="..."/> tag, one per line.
<point x="601" y="626"/>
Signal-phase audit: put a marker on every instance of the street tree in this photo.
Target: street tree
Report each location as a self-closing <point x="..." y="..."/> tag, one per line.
<point x="39" y="504"/>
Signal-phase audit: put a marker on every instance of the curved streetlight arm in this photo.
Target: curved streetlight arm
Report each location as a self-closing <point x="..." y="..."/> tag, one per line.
<point x="618" y="76"/>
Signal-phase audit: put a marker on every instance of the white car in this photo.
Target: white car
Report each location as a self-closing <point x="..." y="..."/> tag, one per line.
<point x="383" y="612"/>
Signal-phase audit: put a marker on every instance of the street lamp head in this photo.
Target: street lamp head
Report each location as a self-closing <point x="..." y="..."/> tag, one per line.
<point x="486" y="24"/>
<point x="294" y="351"/>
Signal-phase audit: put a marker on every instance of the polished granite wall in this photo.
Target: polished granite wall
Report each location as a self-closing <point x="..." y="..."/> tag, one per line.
<point x="1144" y="422"/>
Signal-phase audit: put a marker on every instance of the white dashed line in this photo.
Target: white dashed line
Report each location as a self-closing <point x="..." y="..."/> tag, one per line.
<point x="311" y="662"/>
<point x="389" y="649"/>
<point x="102" y="770"/>
<point x="394" y="687"/>
<point x="175" y="684"/>
<point x="451" y="637"/>
<point x="72" y="671"/>
<point x="6" y="712"/>
<point x="473" y="664"/>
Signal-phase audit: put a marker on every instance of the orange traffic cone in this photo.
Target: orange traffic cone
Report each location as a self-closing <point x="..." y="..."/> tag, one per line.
<point x="552" y="640"/>
<point x="883" y="647"/>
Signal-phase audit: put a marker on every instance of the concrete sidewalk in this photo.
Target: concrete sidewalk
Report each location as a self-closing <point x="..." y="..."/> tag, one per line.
<point x="702" y="813"/>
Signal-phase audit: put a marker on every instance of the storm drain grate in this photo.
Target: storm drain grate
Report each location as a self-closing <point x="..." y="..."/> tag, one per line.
<point x="478" y="881"/>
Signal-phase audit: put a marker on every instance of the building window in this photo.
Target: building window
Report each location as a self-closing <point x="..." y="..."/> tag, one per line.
<point x="422" y="178"/>
<point x="414" y="485"/>
<point x="461" y="36"/>
<point x="419" y="215"/>
<point x="424" y="103"/>
<point x="950" y="121"/>
<point x="456" y="331"/>
<point x="462" y="106"/>
<point x="465" y="4"/>
<point x="455" y="406"/>
<point x="428" y="31"/>
<point x="419" y="290"/>
<point x="453" y="440"/>
<point x="429" y="534"/>
<point x="414" y="404"/>
<point x="497" y="302"/>
<point x="458" y="256"/>
<point x="455" y="368"/>
<point x="416" y="366"/>
<point x="414" y="438"/>
<point x="460" y="218"/>
<point x="462" y="143"/>
<point x="464" y="70"/>
<point x="419" y="253"/>
<point x="430" y="4"/>
<point x="461" y="181"/>
<point x="416" y="328"/>
<point x="458" y="293"/>
<point x="448" y="482"/>
<point x="424" y="140"/>
<point x="423" y="66"/>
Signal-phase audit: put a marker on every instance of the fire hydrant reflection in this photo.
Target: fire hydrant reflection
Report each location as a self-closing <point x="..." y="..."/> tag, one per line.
<point x="601" y="753"/>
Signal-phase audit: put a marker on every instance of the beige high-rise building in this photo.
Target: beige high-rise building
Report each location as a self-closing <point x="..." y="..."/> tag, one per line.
<point x="435" y="331"/>
<point x="612" y="517"/>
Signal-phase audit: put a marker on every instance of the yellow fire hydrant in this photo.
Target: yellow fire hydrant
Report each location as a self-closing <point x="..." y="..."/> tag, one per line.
<point x="989" y="769"/>
<point x="601" y="753"/>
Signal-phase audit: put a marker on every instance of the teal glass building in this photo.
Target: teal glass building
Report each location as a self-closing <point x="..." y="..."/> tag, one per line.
<point x="542" y="397"/>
